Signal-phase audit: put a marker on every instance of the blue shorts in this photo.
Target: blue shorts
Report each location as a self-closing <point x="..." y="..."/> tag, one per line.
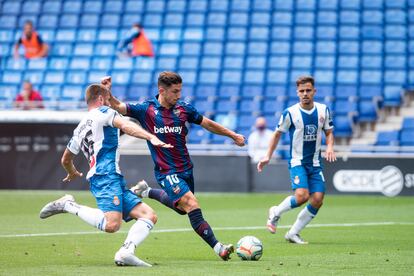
<point x="112" y="195"/>
<point x="308" y="177"/>
<point x="176" y="185"/>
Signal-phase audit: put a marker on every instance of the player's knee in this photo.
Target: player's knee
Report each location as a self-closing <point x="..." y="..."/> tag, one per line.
<point x="317" y="204"/>
<point x="302" y="198"/>
<point x="152" y="216"/>
<point x="112" y="226"/>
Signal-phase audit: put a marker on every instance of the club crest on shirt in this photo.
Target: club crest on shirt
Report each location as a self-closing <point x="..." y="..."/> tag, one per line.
<point x="116" y="201"/>
<point x="296" y="180"/>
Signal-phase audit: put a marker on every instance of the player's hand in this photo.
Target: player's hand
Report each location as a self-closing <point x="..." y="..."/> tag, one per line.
<point x="239" y="140"/>
<point x="158" y="143"/>
<point x="72" y="176"/>
<point x="107" y="82"/>
<point x="330" y="155"/>
<point x="262" y="163"/>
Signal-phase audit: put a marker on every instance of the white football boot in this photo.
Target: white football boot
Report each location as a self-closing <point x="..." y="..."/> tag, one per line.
<point x="55" y="207"/>
<point x="125" y="257"/>
<point x="294" y="238"/>
<point x="140" y="189"/>
<point x="272" y="220"/>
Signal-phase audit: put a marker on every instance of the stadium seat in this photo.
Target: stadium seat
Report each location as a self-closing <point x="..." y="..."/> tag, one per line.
<point x="327" y="17"/>
<point x="369" y="92"/>
<point x="37" y="64"/>
<point x="48" y="21"/>
<point x="367" y="111"/>
<point x="271" y="106"/>
<point x="371" y="61"/>
<point x="388" y="138"/>
<point x="92" y="6"/>
<point x="304" y="18"/>
<point x="281" y="33"/>
<point x="51" y="7"/>
<point x="27" y="17"/>
<point x="54" y="77"/>
<point x="349" y="17"/>
<point x="282" y="18"/>
<point x="344" y="92"/>
<point x="173" y="20"/>
<point x="248" y="106"/>
<point x="79" y="63"/>
<point x="204" y="106"/>
<point x="231" y="77"/>
<point x="83" y="49"/>
<point x="326" y="32"/>
<point x="76" y="77"/>
<point x="208" y="77"/>
<point x="137" y="92"/>
<point x="206" y="91"/>
<point x="343" y="126"/>
<point x="211" y="62"/>
<point x="58" y="63"/>
<point x="237" y="34"/>
<point x="393" y="95"/>
<point x="124" y="63"/>
<point x="254" y="77"/>
<point x="104" y="49"/>
<point x="252" y="91"/>
<point x="198" y="135"/>
<point x="110" y="20"/>
<point x="89" y="20"/>
<point x="51" y="92"/>
<point x="217" y="19"/>
<point x="213" y="48"/>
<point x="280" y="48"/>
<point x="11" y="7"/>
<point x="324" y="62"/>
<point x="68" y="21"/>
<point x="246" y="121"/>
<point x="406" y="137"/>
<point x="16" y="64"/>
<point x="134" y="6"/>
<point x="260" y="19"/>
<point x="277" y="77"/>
<point x="72" y="6"/>
<point x="226" y="106"/>
<point x="344" y="107"/>
<point x="128" y="19"/>
<point x="12" y="77"/>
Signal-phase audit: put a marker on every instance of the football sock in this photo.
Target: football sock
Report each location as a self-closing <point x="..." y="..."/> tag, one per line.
<point x="161" y="196"/>
<point x="92" y="216"/>
<point x="137" y="233"/>
<point x="287" y="204"/>
<point x="202" y="227"/>
<point x="304" y="217"/>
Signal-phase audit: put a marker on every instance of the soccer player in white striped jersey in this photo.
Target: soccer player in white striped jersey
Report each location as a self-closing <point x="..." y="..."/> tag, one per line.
<point x="305" y="122"/>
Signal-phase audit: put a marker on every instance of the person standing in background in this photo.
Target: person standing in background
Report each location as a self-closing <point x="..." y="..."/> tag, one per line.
<point x="259" y="140"/>
<point x="33" y="44"/>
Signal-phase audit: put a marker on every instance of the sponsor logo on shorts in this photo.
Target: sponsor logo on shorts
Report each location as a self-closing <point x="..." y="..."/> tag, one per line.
<point x="116" y="201"/>
<point x="296" y="180"/>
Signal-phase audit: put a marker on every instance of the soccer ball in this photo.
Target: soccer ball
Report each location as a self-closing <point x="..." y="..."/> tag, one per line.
<point x="249" y="248"/>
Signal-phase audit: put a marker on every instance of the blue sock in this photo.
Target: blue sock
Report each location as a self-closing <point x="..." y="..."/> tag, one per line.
<point x="161" y="196"/>
<point x="312" y="209"/>
<point x="202" y="227"/>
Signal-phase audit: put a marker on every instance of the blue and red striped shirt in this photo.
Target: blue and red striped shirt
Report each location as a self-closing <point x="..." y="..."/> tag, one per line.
<point x="169" y="125"/>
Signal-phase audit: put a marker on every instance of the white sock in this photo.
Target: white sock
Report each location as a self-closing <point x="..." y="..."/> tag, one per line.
<point x="302" y="220"/>
<point x="217" y="247"/>
<point x="138" y="232"/>
<point x="283" y="207"/>
<point x="145" y="192"/>
<point x="92" y="216"/>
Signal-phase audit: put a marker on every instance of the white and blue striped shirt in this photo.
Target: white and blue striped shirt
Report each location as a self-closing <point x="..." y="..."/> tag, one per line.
<point x="305" y="131"/>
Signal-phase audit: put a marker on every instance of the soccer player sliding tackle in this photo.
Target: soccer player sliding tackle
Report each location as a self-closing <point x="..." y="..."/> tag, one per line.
<point x="165" y="116"/>
<point x="97" y="136"/>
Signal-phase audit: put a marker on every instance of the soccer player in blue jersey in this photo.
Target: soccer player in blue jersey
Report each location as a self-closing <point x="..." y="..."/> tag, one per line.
<point x="305" y="122"/>
<point x="166" y="116"/>
<point x="97" y="136"/>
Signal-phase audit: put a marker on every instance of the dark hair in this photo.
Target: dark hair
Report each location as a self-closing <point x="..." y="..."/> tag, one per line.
<point x="28" y="22"/>
<point x="93" y="91"/>
<point x="166" y="79"/>
<point x="137" y="25"/>
<point x="305" y="79"/>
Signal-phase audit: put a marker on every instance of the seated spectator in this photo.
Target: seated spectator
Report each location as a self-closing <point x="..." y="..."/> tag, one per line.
<point x="32" y="43"/>
<point x="28" y="98"/>
<point x="259" y="140"/>
<point x="136" y="43"/>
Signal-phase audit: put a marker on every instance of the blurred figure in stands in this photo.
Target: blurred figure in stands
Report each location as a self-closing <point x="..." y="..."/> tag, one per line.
<point x="33" y="44"/>
<point x="28" y="98"/>
<point x="259" y="140"/>
<point x="135" y="44"/>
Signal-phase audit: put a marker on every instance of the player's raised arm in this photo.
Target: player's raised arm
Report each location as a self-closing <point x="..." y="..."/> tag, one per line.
<point x="216" y="128"/>
<point x="135" y="130"/>
<point x="272" y="146"/>
<point x="115" y="103"/>
<point x="67" y="164"/>
<point x="330" y="153"/>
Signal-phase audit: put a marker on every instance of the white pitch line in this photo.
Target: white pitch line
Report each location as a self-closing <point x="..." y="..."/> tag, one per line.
<point x="352" y="224"/>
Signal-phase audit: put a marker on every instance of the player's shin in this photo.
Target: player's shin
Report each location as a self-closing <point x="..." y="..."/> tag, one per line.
<point x="287" y="204"/>
<point x="137" y="233"/>
<point x="92" y="216"/>
<point x="304" y="217"/>
<point x="201" y="227"/>
<point x="162" y="197"/>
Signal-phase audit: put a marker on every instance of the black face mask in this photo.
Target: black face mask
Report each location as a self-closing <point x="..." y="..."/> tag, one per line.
<point x="261" y="128"/>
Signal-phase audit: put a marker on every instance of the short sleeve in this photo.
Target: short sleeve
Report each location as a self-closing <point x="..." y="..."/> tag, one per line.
<point x="328" y="120"/>
<point x="136" y="111"/>
<point x="193" y="115"/>
<point x="74" y="144"/>
<point x="107" y="116"/>
<point x="284" y="122"/>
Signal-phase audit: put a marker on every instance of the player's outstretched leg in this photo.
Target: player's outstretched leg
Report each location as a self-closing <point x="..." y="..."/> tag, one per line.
<point x="143" y="190"/>
<point x="67" y="204"/>
<point x="305" y="216"/>
<point x="203" y="229"/>
<point x="275" y="212"/>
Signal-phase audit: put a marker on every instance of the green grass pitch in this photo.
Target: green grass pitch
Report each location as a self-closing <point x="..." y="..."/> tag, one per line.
<point x="352" y="235"/>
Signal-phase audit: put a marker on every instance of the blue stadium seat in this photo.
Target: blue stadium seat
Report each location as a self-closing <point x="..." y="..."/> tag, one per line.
<point x="95" y="76"/>
<point x="303" y="32"/>
<point x="277" y="77"/>
<point x="369" y="92"/>
<point x="58" y="63"/>
<point x="188" y="63"/>
<point x="275" y="91"/>
<point x="395" y="47"/>
<point x="348" y="47"/>
<point x="92" y="6"/>
<point x="8" y="21"/>
<point x="343" y="126"/>
<point x="9" y="92"/>
<point x="372" y="47"/>
<point x="89" y="20"/>
<point x="119" y="91"/>
<point x="113" y="6"/>
<point x="388" y="138"/>
<point x="168" y="49"/>
<point x="189" y="76"/>
<point x="349" y="32"/>
<point x="350" y="4"/>
<point x="408" y="123"/>
<point x="281" y="33"/>
<point x="348" y="62"/>
<point x="83" y="49"/>
<point x="16" y="64"/>
<point x="349" y="17"/>
<point x="229" y="91"/>
<point x="395" y="17"/>
<point x="31" y="7"/>
<point x="208" y="77"/>
<point x="108" y="35"/>
<point x="301" y="62"/>
<point x="367" y="111"/>
<point x="51" y="6"/>
<point x="171" y="34"/>
<point x="76" y="77"/>
<point x="256" y="62"/>
<point x="262" y="5"/>
<point x="393" y="95"/>
<point x="252" y="91"/>
<point x="211" y="62"/>
<point x="344" y="107"/>
<point x="177" y="5"/>
<point x="206" y="91"/>
<point x="137" y="92"/>
<point x="100" y="63"/>
<point x="226" y="106"/>
<point x="166" y="63"/>
<point x="285" y="5"/>
<point x="248" y="106"/>
<point x="65" y="35"/>
<point x="395" y="62"/>
<point x="6" y="36"/>
<point x="254" y="77"/>
<point x="142" y="77"/>
<point x="239" y="19"/>
<point x="72" y="6"/>
<point x="246" y="121"/>
<point x="110" y="20"/>
<point x="372" y="4"/>
<point x="279" y="62"/>
<point x="372" y="32"/>
<point x="234" y="48"/>
<point x="372" y="17"/>
<point x="51" y="92"/>
<point x="120" y="77"/>
<point x="260" y="19"/>
<point x="398" y="4"/>
<point x="237" y="33"/>
<point x="62" y="49"/>
<point x="325" y="47"/>
<point x="198" y="135"/>
<point x="196" y="34"/>
<point x="68" y="21"/>
<point x="104" y="49"/>
<point x="345" y="92"/>
<point x="134" y="6"/>
<point x="304" y="18"/>
<point x="395" y="77"/>
<point x="326" y="32"/>
<point x="303" y="47"/>
<point x="35" y="77"/>
<point x="395" y="32"/>
<point x="371" y="61"/>
<point x="324" y="62"/>
<point x="271" y="106"/>
<point x="124" y="63"/>
<point x="195" y="19"/>
<point x="327" y="17"/>
<point x="27" y="17"/>
<point x="204" y="106"/>
<point x="324" y="91"/>
<point x="80" y="63"/>
<point x="48" y="21"/>
<point x="328" y="4"/>
<point x="173" y="20"/>
<point x="216" y="19"/>
<point x="406" y="138"/>
<point x="280" y="48"/>
<point x="218" y="5"/>
<point x="347" y="77"/>
<point x="305" y="5"/>
<point x="54" y="77"/>
<point x="11" y="7"/>
<point x="282" y="18"/>
<point x="129" y="19"/>
<point x="37" y="64"/>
